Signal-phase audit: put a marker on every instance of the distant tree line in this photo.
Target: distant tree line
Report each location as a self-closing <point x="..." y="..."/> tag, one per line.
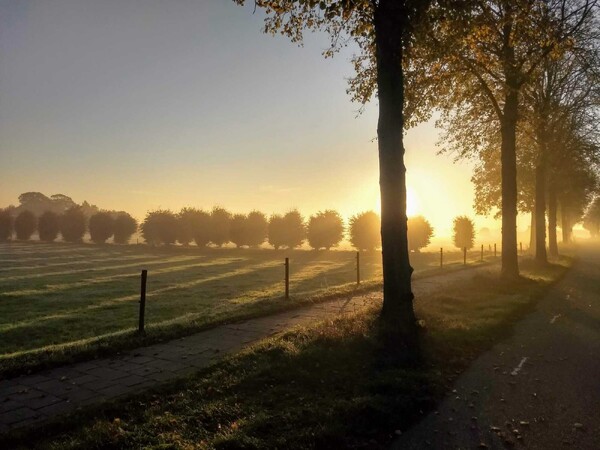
<point x="323" y="230"/>
<point x="72" y="225"/>
<point x="58" y="215"/>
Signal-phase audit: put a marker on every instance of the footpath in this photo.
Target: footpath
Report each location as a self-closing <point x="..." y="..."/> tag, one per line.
<point x="539" y="389"/>
<point x="33" y="399"/>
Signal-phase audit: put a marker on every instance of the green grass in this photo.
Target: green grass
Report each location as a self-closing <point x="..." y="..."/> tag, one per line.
<point x="65" y="302"/>
<point x="332" y="385"/>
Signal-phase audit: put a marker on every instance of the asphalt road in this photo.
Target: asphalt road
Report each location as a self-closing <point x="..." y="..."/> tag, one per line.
<point x="540" y="389"/>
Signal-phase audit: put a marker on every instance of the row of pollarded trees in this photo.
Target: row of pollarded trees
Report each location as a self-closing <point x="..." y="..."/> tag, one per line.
<point x="72" y="225"/>
<point x="323" y="230"/>
<point x="219" y="227"/>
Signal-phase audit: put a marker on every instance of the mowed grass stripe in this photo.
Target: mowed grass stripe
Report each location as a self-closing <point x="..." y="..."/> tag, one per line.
<point x="116" y="315"/>
<point x="141" y="263"/>
<point x="66" y="260"/>
<point x="11" y="251"/>
<point x="151" y="293"/>
<point x="53" y="288"/>
<point x="306" y="275"/>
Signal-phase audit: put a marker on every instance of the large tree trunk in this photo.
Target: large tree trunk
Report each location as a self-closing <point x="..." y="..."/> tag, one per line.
<point x="540" y="208"/>
<point x="510" y="261"/>
<point x="532" y="230"/>
<point x="565" y="223"/>
<point x="552" y="238"/>
<point x="397" y="309"/>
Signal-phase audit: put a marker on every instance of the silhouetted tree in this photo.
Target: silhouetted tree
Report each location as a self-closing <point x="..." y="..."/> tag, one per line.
<point x="325" y="229"/>
<point x="484" y="56"/>
<point x="276" y="231"/>
<point x="48" y="226"/>
<point x="419" y="233"/>
<point x="35" y="202"/>
<point x="73" y="224"/>
<point x="185" y="225"/>
<point x="463" y="232"/>
<point x="159" y="227"/>
<point x="88" y="209"/>
<point x="384" y="32"/>
<point x="61" y="203"/>
<point x="102" y="227"/>
<point x="202" y="227"/>
<point x="365" y="231"/>
<point x="25" y="225"/>
<point x="220" y="224"/>
<point x="237" y="230"/>
<point x="591" y="220"/>
<point x="256" y="229"/>
<point x="6" y="225"/>
<point x="124" y="227"/>
<point x="295" y="229"/>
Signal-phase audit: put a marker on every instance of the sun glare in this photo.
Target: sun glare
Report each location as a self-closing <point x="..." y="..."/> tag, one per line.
<point x="412" y="203"/>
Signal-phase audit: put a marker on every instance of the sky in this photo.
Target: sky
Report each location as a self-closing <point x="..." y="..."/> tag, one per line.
<point x="139" y="104"/>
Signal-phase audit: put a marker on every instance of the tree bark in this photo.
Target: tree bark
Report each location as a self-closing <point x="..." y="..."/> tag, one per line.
<point x="552" y="238"/>
<point x="565" y="223"/>
<point x="532" y="230"/>
<point x="397" y="307"/>
<point x="541" y="255"/>
<point x="510" y="262"/>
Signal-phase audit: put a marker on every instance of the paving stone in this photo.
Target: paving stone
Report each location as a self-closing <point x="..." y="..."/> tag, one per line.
<point x="132" y="380"/>
<point x="56" y="409"/>
<point x="7" y="390"/>
<point x="17" y="415"/>
<point x="105" y="373"/>
<point x="10" y="405"/>
<point x="140" y="359"/>
<point x="144" y="370"/>
<point x="27" y="394"/>
<point x="86" y="366"/>
<point x="65" y="372"/>
<point x="115" y="390"/>
<point x="127" y="366"/>
<point x="38" y="403"/>
<point x="85" y="379"/>
<point x="96" y="386"/>
<point x="35" y="380"/>
<point x="82" y="394"/>
<point x="55" y="387"/>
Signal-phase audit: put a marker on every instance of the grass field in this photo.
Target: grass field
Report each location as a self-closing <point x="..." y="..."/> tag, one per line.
<point x="329" y="385"/>
<point x="57" y="298"/>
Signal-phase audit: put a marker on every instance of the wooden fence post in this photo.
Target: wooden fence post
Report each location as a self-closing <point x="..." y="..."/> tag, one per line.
<point x="482" y="252"/>
<point x="441" y="257"/>
<point x="287" y="278"/>
<point x="521" y="247"/>
<point x="494" y="250"/>
<point x="142" y="301"/>
<point x="465" y="256"/>
<point x="358" y="268"/>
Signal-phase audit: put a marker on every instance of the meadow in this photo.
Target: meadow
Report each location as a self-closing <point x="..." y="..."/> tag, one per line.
<point x="66" y="298"/>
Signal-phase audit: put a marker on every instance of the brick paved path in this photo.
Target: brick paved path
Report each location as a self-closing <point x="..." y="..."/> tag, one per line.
<point x="32" y="399"/>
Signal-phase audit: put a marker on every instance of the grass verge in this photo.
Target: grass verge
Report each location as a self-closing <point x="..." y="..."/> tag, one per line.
<point x="331" y="385"/>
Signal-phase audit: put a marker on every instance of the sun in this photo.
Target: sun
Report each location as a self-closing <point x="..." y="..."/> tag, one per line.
<point x="412" y="202"/>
